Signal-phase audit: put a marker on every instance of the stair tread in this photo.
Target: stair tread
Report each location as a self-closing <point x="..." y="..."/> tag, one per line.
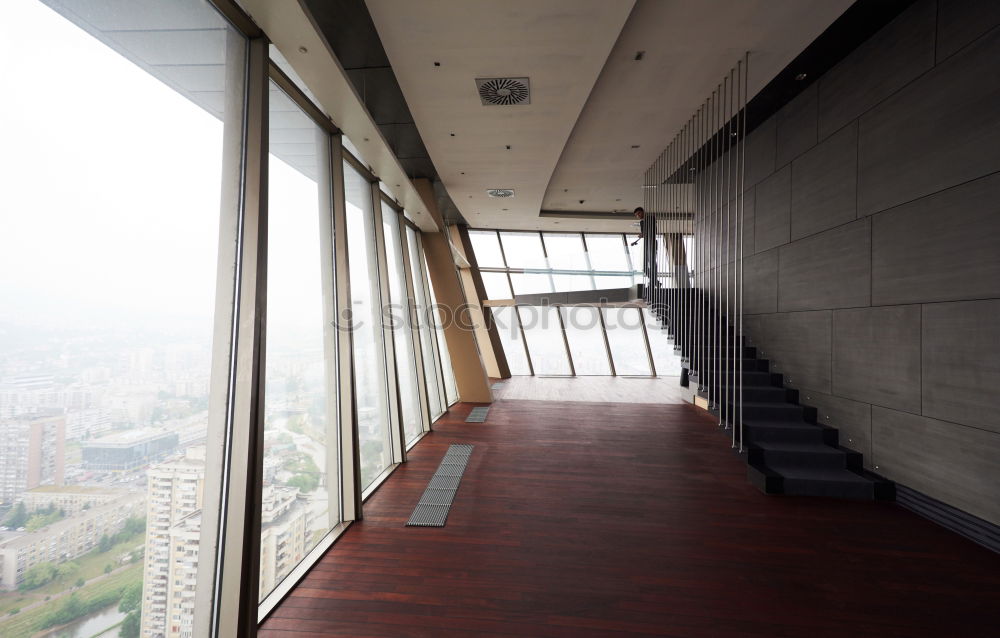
<point x="799" y="473"/>
<point x="781" y="424"/>
<point x="793" y="446"/>
<point x="770" y="404"/>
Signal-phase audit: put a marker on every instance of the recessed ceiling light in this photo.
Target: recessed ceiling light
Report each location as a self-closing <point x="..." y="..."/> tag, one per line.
<point x="365" y="139"/>
<point x="452" y="134"/>
<point x="619" y="199"/>
<point x="303" y="50"/>
<point x="801" y="76"/>
<point x="508" y="147"/>
<point x="635" y="146"/>
<point x="437" y="64"/>
<point x="639" y="55"/>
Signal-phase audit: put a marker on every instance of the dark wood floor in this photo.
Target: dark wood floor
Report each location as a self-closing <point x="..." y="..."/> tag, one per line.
<point x="592" y="519"/>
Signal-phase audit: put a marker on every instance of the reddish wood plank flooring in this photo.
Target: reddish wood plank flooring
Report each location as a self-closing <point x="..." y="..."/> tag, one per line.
<point x="584" y="520"/>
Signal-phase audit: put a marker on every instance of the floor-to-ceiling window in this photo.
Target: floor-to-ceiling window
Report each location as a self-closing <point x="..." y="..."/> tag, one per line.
<point x="300" y="487"/>
<point x="523" y="263"/>
<point x="170" y="338"/>
<point x="593" y="337"/>
<point x="413" y="415"/>
<point x="371" y="391"/>
<point x="121" y="136"/>
<point x="432" y="366"/>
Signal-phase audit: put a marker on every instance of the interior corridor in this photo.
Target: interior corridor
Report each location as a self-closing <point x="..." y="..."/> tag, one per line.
<point x="582" y="519"/>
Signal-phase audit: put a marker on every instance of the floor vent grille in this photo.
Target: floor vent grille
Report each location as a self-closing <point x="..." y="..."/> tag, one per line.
<point x="477" y="415"/>
<point x="435" y="502"/>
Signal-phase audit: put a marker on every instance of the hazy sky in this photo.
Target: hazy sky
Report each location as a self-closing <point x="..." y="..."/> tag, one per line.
<point x="110" y="186"/>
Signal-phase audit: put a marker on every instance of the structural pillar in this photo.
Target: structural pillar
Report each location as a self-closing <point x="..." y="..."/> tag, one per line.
<point x="470" y="373"/>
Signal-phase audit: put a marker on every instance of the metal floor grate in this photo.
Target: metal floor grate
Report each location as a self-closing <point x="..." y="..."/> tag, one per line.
<point x="432" y="509"/>
<point x="477" y="415"/>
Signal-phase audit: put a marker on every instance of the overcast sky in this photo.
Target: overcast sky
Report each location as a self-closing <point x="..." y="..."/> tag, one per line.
<point x="110" y="186"/>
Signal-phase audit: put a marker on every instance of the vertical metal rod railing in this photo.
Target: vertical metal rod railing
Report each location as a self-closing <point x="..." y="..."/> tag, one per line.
<point x="730" y="356"/>
<point x="716" y="249"/>
<point x="743" y="162"/>
<point x="723" y="262"/>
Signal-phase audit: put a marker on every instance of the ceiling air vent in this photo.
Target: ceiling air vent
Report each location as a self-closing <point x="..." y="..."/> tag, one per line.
<point x="500" y="192"/>
<point x="503" y="91"/>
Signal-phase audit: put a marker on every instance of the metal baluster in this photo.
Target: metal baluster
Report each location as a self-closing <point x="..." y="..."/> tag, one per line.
<point x="743" y="163"/>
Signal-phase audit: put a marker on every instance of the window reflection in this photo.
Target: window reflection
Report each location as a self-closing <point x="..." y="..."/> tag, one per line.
<point x="299" y="503"/>
<point x="398" y="314"/>
<point x="369" y="357"/>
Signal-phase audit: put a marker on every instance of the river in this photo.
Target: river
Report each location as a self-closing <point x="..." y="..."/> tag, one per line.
<point x="94" y="625"/>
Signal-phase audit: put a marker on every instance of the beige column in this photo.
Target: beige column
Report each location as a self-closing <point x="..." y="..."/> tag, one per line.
<point x="470" y="373"/>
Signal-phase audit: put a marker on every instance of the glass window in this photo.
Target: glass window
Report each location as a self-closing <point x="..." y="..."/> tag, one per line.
<point x="623" y="280"/>
<point x="586" y="340"/>
<point x="450" y="384"/>
<point x="508" y="328"/>
<point x="109" y="257"/>
<point x="497" y="285"/>
<point x="607" y="252"/>
<point x="369" y="357"/>
<point x="523" y="250"/>
<point x="565" y="251"/>
<point x="628" y="349"/>
<point x="545" y="339"/>
<point x="531" y="283"/>
<point x="486" y="247"/>
<point x="668" y="364"/>
<point x="432" y="370"/>
<point x="568" y="283"/>
<point x="300" y="502"/>
<point x="406" y="365"/>
<point x="636" y="254"/>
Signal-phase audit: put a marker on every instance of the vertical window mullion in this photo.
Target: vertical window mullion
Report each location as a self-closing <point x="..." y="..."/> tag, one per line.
<point x="235" y="535"/>
<point x="396" y="437"/>
<point x="414" y="326"/>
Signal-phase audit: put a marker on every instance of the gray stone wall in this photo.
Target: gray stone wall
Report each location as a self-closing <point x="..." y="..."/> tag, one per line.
<point x="873" y="250"/>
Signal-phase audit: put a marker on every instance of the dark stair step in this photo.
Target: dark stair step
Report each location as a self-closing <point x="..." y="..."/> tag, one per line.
<point x="763" y="394"/>
<point x="800" y="454"/>
<point x="760" y="430"/>
<point x="761" y="379"/>
<point x="831" y="482"/>
<point x="772" y="411"/>
<point x="748" y="365"/>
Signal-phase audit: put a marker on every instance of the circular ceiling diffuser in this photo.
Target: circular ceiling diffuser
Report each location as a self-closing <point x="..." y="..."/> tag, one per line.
<point x="500" y="192"/>
<point x="503" y="91"/>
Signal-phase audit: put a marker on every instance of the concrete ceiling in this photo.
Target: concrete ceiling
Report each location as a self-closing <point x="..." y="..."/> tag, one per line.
<point x="591" y="100"/>
<point x="561" y="45"/>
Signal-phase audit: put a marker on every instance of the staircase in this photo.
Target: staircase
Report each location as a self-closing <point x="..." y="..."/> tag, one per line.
<point x="787" y="452"/>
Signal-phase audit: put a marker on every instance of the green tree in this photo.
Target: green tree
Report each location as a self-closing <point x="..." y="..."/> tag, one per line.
<point x="108" y="568"/>
<point x="40" y="574"/>
<point x="80" y="582"/>
<point x="104" y="544"/>
<point x="17" y="517"/>
<point x="305" y="482"/>
<point x="130" y="626"/>
<point x="66" y="570"/>
<point x="131" y="598"/>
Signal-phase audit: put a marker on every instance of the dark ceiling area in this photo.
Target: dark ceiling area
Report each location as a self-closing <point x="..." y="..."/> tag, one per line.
<point x="348" y="27"/>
